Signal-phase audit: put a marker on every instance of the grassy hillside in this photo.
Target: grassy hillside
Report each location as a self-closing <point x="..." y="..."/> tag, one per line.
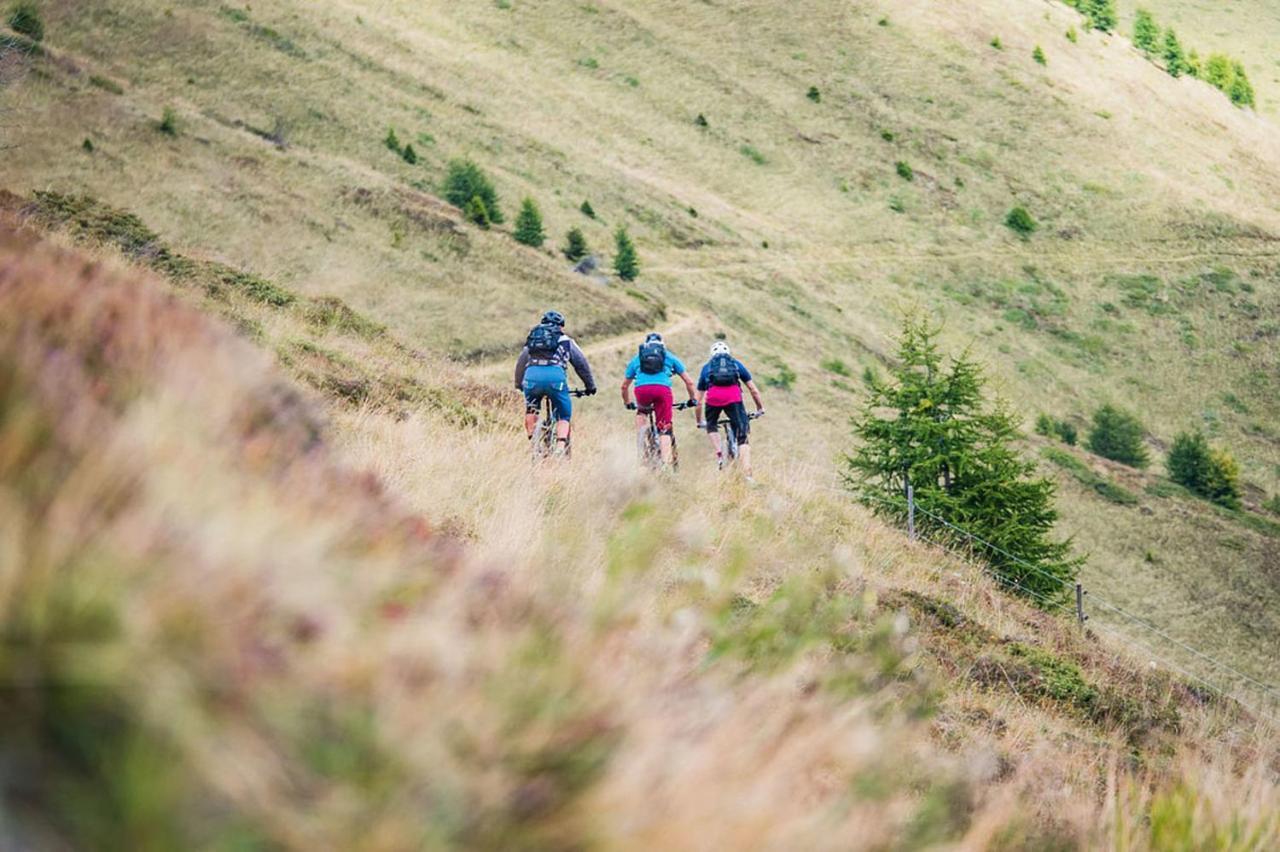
<point x="243" y="614"/>
<point x="799" y="226"/>
<point x="1246" y="30"/>
<point x="1151" y="281"/>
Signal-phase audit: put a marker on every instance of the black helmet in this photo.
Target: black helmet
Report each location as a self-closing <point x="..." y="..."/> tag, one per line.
<point x="652" y="336"/>
<point x="553" y="318"/>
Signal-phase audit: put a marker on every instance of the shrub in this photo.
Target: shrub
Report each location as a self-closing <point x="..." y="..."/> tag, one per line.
<point x="1051" y="428"/>
<point x="1174" y="61"/>
<point x="784" y="379"/>
<point x="1213" y="474"/>
<point x="1020" y="222"/>
<point x="168" y="124"/>
<point x="1101" y="14"/>
<point x="529" y="225"/>
<point x="1241" y="90"/>
<point x="478" y="212"/>
<point x="1038" y="56"/>
<point x="1072" y="35"/>
<point x="25" y="19"/>
<point x="701" y="120"/>
<point x="835" y="365"/>
<point x="392" y="141"/>
<point x="588" y="210"/>
<point x="909" y="432"/>
<point x="625" y="261"/>
<point x="87" y="145"/>
<point x="813" y="94"/>
<point x="410" y="156"/>
<point x="465" y="181"/>
<point x="1218" y="71"/>
<point x="575" y="246"/>
<point x="1145" y="32"/>
<point x="905" y="171"/>
<point x="997" y="44"/>
<point x="1117" y="435"/>
<point x="1193" y="66"/>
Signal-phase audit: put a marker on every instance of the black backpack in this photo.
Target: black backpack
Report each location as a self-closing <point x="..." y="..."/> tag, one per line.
<point x="723" y="371"/>
<point x="543" y="341"/>
<point x="653" y="357"/>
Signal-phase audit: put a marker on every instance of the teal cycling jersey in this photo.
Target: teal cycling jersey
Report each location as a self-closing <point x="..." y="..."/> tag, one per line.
<point x="671" y="366"/>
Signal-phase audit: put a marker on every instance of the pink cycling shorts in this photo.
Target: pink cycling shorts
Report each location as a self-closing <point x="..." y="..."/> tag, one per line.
<point x="657" y="397"/>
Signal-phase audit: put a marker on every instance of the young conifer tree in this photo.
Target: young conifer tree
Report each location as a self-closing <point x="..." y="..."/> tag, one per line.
<point x="529" y="225"/>
<point x="1146" y="34"/>
<point x="930" y="425"/>
<point x="625" y="261"/>
<point x="1174" y="60"/>
<point x="575" y="246"/>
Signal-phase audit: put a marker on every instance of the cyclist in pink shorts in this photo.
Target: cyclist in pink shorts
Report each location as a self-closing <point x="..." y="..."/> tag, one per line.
<point x="720" y="392"/>
<point x="651" y="370"/>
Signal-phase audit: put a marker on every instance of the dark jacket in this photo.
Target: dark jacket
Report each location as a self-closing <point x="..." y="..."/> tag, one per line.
<point x="567" y="353"/>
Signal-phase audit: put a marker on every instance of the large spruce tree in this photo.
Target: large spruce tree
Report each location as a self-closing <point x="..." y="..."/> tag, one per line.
<point x="929" y="425"/>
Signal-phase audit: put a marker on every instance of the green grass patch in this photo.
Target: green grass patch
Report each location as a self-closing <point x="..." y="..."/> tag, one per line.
<point x="1081" y="472"/>
<point x="329" y="312"/>
<point x="107" y="85"/>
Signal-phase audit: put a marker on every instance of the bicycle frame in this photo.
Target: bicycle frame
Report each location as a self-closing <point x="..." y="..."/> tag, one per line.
<point x="729" y="440"/>
<point x="544" y="434"/>
<point x="650" y="445"/>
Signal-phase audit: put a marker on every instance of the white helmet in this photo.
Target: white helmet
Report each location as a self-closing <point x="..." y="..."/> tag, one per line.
<point x="719" y="348"/>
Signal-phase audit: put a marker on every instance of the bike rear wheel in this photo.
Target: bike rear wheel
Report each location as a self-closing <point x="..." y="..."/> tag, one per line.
<point x="729" y="443"/>
<point x="544" y="434"/>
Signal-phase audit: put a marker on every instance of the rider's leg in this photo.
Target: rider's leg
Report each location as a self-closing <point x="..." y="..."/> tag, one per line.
<point x="531" y="402"/>
<point x="663" y="414"/>
<point x="562" y="406"/>
<point x="742" y="430"/>
<point x="712" y="413"/>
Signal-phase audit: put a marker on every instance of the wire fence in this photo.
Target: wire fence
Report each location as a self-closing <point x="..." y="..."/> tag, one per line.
<point x="909" y="507"/>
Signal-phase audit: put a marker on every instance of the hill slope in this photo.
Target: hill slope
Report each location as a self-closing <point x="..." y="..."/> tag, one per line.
<point x="228" y="626"/>
<point x="1151" y="282"/>
<point x="780" y="220"/>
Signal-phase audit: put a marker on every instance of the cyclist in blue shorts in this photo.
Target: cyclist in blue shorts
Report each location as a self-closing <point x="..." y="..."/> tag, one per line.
<point x="541" y="370"/>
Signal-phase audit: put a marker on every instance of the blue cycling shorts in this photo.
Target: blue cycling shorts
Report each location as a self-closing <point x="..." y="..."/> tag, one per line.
<point x="549" y="381"/>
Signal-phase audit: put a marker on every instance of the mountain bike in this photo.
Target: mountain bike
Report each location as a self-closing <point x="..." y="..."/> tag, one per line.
<point x="544" y="434"/>
<point x="729" y="440"/>
<point x="650" y="439"/>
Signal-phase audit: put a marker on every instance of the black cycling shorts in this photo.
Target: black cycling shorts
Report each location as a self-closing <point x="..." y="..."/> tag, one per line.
<point x="737" y="414"/>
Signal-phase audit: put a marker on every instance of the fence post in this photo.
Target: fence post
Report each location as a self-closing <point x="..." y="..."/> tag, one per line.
<point x="1080" y="616"/>
<point x="911" y="512"/>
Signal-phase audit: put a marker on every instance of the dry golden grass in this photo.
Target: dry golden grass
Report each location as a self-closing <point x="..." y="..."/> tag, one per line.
<point x="602" y="588"/>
